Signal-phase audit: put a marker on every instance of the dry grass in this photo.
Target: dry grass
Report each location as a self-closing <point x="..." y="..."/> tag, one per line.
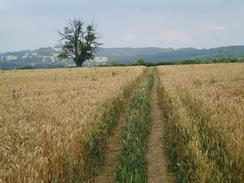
<point x="43" y="114"/>
<point x="208" y="101"/>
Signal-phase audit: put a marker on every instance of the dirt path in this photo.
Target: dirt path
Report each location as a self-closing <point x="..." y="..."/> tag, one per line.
<point x="106" y="172"/>
<point x="157" y="162"/>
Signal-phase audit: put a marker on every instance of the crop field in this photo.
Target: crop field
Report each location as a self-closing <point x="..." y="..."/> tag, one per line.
<point x="181" y="123"/>
<point x="44" y="113"/>
<point x="204" y="106"/>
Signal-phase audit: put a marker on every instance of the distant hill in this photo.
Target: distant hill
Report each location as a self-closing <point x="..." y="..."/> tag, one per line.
<point x="155" y="55"/>
<point x="47" y="57"/>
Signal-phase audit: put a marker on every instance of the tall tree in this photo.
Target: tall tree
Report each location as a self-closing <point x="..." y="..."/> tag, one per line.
<point x="80" y="41"/>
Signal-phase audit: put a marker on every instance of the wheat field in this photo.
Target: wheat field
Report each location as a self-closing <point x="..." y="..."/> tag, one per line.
<point x="54" y="122"/>
<point x="207" y="104"/>
<point x="43" y="114"/>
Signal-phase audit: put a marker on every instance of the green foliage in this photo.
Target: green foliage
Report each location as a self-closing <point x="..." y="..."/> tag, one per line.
<point x="27" y="67"/>
<point x="114" y="63"/>
<point x="79" y="42"/>
<point x="62" y="56"/>
<point x="191" y="62"/>
<point x="131" y="163"/>
<point x="140" y="62"/>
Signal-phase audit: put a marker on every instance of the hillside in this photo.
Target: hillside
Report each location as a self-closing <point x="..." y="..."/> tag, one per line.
<point x="46" y="57"/>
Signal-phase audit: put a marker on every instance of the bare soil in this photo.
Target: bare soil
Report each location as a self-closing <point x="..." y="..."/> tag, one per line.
<point x="158" y="170"/>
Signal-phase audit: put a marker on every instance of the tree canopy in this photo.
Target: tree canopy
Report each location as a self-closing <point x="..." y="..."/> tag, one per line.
<point x="79" y="41"/>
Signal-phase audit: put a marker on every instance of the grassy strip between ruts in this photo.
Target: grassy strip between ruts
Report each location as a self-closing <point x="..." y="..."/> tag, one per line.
<point x="92" y="139"/>
<point x="196" y="151"/>
<point x="131" y="162"/>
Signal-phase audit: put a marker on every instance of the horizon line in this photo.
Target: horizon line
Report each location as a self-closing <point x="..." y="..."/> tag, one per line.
<point x="131" y="47"/>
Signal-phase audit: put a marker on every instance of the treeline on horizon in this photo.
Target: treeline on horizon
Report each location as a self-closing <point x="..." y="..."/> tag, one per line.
<point x="141" y="62"/>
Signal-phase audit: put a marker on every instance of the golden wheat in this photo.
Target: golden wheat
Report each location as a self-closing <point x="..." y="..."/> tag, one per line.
<point x="217" y="90"/>
<point x="220" y="90"/>
<point x="43" y="113"/>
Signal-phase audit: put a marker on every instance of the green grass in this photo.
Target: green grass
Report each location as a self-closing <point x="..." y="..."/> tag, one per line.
<point x="131" y="163"/>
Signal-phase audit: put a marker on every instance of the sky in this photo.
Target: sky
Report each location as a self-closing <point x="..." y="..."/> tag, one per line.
<point x="30" y="24"/>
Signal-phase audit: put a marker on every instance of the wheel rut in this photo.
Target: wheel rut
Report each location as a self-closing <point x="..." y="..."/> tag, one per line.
<point x="157" y="164"/>
<point x="106" y="171"/>
<point x="158" y="170"/>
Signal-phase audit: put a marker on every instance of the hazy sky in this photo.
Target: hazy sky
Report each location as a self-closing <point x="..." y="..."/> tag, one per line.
<point x="29" y="24"/>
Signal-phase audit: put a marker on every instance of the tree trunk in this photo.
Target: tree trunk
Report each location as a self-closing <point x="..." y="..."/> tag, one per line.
<point x="79" y="62"/>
